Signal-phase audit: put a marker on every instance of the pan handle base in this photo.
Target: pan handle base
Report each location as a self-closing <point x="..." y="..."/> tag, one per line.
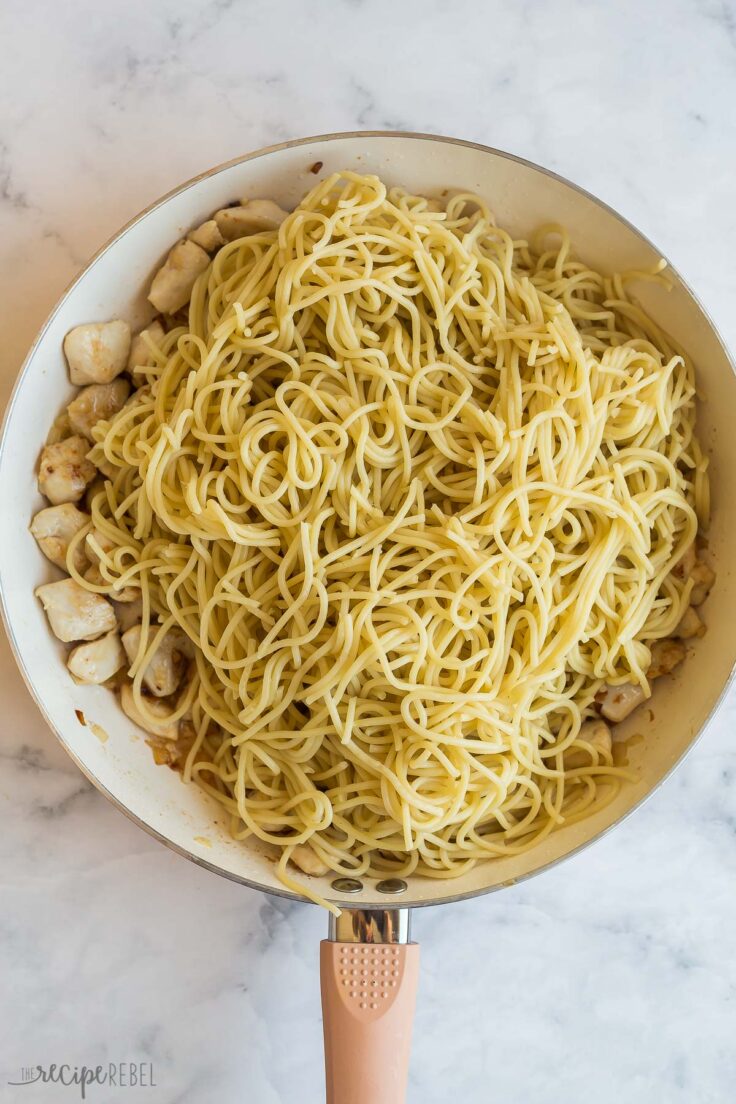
<point x="371" y="926"/>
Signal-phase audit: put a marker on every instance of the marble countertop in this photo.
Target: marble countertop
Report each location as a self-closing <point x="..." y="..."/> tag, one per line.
<point x="611" y="978"/>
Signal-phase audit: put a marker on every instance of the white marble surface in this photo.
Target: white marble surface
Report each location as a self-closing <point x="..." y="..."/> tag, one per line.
<point x="612" y="978"/>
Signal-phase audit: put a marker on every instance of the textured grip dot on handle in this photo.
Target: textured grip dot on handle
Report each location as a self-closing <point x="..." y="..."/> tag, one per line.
<point x="368" y="997"/>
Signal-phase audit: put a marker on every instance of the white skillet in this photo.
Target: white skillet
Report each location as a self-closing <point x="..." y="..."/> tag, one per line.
<point x="366" y="1035"/>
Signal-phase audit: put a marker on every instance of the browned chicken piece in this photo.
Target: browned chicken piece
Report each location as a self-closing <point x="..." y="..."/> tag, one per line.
<point x="684" y="566"/>
<point x="172" y="285"/>
<point x="96" y="403"/>
<point x="54" y="528"/>
<point x="94" y="488"/>
<point x="308" y="861"/>
<point x="140" y="354"/>
<point x="94" y="576"/>
<point x="165" y="668"/>
<point x="703" y="579"/>
<point x="75" y="613"/>
<point x="129" y="614"/>
<point x="207" y="236"/>
<point x="666" y="654"/>
<point x="690" y="625"/>
<point x="65" y="471"/>
<point x="160" y="723"/>
<point x="616" y="702"/>
<point x="98" y="660"/>
<point x="252" y="217"/>
<point x="97" y="352"/>
<point x="173" y="753"/>
<point x="596" y="733"/>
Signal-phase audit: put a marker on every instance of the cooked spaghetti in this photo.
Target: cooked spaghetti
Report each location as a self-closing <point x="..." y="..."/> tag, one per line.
<point x="413" y="492"/>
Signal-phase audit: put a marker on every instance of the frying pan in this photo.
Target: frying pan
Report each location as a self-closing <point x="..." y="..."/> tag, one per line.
<point x="368" y="965"/>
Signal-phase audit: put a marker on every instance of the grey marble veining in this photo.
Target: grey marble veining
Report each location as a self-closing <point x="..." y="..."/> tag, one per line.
<point x="611" y="978"/>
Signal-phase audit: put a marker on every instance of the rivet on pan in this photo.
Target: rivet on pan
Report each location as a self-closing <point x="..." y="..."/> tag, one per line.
<point x="391" y="885"/>
<point x="347" y="885"/>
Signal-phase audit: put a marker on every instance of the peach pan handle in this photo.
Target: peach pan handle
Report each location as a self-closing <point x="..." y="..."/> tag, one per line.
<point x="369" y="972"/>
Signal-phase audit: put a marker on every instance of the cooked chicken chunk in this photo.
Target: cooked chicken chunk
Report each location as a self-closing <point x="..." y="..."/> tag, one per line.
<point x="129" y="613"/>
<point x="75" y="613"/>
<point x="97" y="403"/>
<point x="97" y="539"/>
<point x="253" y="217"/>
<point x="97" y="352"/>
<point x="666" y="654"/>
<point x="65" y="471"/>
<point x="684" y="566"/>
<point x="703" y="579"/>
<point x="94" y="488"/>
<point x="616" y="702"/>
<point x="690" y="625"/>
<point x="172" y="285"/>
<point x="98" y="660"/>
<point x="173" y="753"/>
<point x="94" y="576"/>
<point x="54" y="528"/>
<point x="166" y="666"/>
<point x="104" y="466"/>
<point x="140" y="355"/>
<point x="305" y="858"/>
<point x="598" y="735"/>
<point x="207" y="236"/>
<point x="159" y="725"/>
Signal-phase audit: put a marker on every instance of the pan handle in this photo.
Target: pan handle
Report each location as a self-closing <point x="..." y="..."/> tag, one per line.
<point x="369" y="972"/>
